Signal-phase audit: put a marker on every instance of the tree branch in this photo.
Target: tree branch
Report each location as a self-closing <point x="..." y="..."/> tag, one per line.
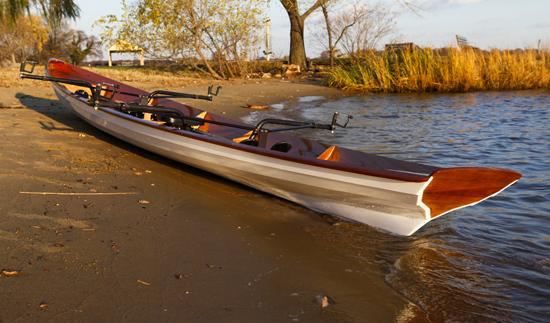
<point x="290" y="5"/>
<point x="356" y="18"/>
<point x="314" y="7"/>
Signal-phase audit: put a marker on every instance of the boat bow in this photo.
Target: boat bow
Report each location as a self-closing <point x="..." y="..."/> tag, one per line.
<point x="454" y="188"/>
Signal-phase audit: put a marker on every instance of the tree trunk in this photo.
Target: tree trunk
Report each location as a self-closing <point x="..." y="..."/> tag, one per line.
<point x="329" y="34"/>
<point x="13" y="59"/>
<point x="297" y="48"/>
<point x="207" y="64"/>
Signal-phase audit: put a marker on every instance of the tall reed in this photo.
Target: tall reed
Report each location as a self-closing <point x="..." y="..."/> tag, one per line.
<point x="445" y="70"/>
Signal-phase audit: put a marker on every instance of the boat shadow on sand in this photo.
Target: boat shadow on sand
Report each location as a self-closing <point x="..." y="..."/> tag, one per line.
<point x="54" y="110"/>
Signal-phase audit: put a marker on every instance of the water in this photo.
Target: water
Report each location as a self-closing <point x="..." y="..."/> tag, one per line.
<point x="490" y="262"/>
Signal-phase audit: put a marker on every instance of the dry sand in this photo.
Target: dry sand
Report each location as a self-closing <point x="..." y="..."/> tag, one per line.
<point x="188" y="246"/>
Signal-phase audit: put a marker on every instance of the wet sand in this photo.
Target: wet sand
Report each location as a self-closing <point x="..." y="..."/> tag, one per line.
<point x="186" y="246"/>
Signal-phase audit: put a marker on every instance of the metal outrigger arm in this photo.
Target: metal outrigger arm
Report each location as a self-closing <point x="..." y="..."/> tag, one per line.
<point x="103" y="93"/>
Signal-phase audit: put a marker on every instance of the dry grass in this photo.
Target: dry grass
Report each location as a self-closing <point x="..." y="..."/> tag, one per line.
<point x="158" y="76"/>
<point x="9" y="77"/>
<point x="451" y="70"/>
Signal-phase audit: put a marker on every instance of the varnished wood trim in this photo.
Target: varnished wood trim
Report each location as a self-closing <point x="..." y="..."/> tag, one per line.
<point x="452" y="188"/>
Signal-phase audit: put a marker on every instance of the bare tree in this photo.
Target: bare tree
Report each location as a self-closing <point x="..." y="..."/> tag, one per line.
<point x="335" y="33"/>
<point x="78" y="46"/>
<point x="365" y="27"/>
<point x="297" y="19"/>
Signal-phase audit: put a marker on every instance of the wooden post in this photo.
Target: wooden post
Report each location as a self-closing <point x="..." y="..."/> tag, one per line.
<point x="268" y="39"/>
<point x="141" y="58"/>
<point x="110" y="59"/>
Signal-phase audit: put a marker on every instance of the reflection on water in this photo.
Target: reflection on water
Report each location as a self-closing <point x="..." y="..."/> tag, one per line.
<point x="487" y="262"/>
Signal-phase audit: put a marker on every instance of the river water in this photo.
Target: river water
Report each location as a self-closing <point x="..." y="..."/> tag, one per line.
<point x="489" y="262"/>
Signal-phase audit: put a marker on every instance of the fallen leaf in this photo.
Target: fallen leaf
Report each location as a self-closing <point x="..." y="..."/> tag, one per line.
<point x="148" y="171"/>
<point x="138" y="173"/>
<point x="43" y="305"/>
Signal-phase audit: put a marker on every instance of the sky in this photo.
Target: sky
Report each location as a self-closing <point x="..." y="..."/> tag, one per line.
<point x="434" y="23"/>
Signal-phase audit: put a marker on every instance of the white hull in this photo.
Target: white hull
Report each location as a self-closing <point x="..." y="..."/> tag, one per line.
<point x="392" y="205"/>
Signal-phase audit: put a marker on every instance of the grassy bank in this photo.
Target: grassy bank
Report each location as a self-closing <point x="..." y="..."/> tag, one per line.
<point x="159" y="76"/>
<point x="450" y="70"/>
<point x="175" y="75"/>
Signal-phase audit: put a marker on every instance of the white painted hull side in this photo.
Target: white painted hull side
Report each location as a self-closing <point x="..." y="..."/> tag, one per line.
<point x="387" y="204"/>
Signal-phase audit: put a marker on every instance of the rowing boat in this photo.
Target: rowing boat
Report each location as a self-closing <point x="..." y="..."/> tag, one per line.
<point x="389" y="194"/>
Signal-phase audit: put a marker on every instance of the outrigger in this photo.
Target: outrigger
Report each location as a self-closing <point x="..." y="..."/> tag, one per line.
<point x="389" y="194"/>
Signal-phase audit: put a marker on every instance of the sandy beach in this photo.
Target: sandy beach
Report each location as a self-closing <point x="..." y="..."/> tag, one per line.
<point x="174" y="243"/>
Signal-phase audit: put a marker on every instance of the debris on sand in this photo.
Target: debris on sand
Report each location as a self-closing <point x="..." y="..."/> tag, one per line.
<point x="144" y="202"/>
<point x="10" y="272"/>
<point x="11" y="106"/>
<point x="256" y="107"/>
<point x="143" y="282"/>
<point x="43" y="305"/>
<point x="80" y="194"/>
<point x="324" y="300"/>
<point x="181" y="276"/>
